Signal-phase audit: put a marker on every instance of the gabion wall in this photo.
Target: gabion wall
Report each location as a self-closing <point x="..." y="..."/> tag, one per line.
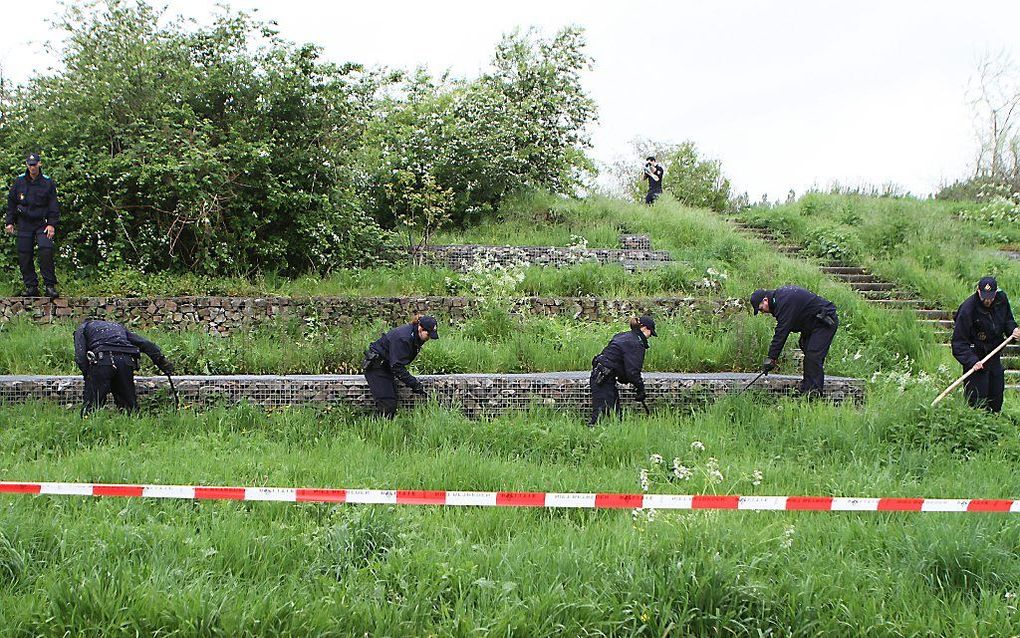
<point x="476" y="394"/>
<point x="224" y="315"/>
<point x="461" y="258"/>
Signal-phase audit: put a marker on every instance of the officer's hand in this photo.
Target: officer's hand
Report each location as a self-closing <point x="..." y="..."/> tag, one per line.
<point x="9" y="229"/>
<point x="979" y="366"/>
<point x="50" y="232"/>
<point x="420" y="391"/>
<point x="768" y="366"/>
<point x="1016" y="333"/>
<point x="165" y="366"/>
<point x="641" y="396"/>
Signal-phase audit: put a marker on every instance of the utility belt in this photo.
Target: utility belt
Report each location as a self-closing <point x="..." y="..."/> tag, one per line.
<point x="601" y="372"/>
<point x="105" y="358"/>
<point x="372" y="359"/>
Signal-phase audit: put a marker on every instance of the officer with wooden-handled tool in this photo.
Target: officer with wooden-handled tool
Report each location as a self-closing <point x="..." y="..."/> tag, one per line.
<point x="107" y="354"/>
<point x="983" y="323"/>
<point x="814" y="317"/>
<point x="621" y="360"/>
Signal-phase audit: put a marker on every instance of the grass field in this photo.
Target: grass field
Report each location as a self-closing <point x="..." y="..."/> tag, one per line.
<point x="180" y="568"/>
<point x="108" y="567"/>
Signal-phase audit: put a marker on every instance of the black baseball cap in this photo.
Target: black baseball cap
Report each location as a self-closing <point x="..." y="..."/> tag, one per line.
<point x="987" y="288"/>
<point x="32" y="159"/>
<point x="649" y="323"/>
<point x="430" y="325"/>
<point x="756" y="298"/>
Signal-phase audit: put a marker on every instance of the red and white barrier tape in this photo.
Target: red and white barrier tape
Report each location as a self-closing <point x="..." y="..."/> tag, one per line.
<point x="519" y="499"/>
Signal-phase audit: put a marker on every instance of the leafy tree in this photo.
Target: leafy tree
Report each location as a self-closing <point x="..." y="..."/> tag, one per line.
<point x="214" y="148"/>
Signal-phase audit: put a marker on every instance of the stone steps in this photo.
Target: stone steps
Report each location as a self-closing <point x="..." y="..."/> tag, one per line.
<point x="476" y="394"/>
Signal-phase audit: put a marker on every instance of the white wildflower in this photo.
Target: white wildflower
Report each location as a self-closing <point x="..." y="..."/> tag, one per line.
<point x="698" y="446"/>
<point x="656" y="458"/>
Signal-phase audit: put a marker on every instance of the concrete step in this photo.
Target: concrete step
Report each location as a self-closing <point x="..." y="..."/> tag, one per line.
<point x="843" y="270"/>
<point x="871" y="287"/>
<point x="929" y="313"/>
<point x="857" y="279"/>
<point x="896" y="303"/>
<point x="944" y="324"/>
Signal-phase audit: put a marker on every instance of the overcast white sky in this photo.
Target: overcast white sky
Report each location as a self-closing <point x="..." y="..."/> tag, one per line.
<point x="787" y="94"/>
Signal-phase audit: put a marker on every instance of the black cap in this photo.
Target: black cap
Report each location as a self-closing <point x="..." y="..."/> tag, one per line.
<point x="649" y="323"/>
<point x="756" y="298"/>
<point x="429" y="324"/>
<point x="987" y="288"/>
<point x="32" y="159"/>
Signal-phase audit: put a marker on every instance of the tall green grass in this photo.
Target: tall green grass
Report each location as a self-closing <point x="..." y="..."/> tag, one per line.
<point x="74" y="566"/>
<point x="923" y="244"/>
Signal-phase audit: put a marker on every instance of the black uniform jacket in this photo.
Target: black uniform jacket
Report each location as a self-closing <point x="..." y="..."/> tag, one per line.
<point x="978" y="330"/>
<point x="106" y="336"/>
<point x="33" y="203"/>
<point x="398" y="348"/>
<point x="795" y="310"/>
<point x="625" y="355"/>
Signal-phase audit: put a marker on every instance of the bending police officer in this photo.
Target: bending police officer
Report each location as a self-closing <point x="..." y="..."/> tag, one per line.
<point x="107" y="354"/>
<point x="982" y="322"/>
<point x="814" y="317"/>
<point x="387" y="358"/>
<point x="621" y="360"/>
<point x="33" y="213"/>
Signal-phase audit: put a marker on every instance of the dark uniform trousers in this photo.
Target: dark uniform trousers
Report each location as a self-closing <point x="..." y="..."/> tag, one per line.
<point x="26" y="242"/>
<point x="383" y="386"/>
<point x="113" y="372"/>
<point x="605" y="398"/>
<point x="815" y="345"/>
<point x="985" y="387"/>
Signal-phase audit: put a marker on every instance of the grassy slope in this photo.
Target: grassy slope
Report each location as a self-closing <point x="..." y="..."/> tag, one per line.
<point x="180" y="568"/>
<point x="698" y="239"/>
<point x="185" y="568"/>
<point x="924" y="245"/>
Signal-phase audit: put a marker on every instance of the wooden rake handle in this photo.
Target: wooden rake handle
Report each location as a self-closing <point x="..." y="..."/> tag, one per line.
<point x="967" y="374"/>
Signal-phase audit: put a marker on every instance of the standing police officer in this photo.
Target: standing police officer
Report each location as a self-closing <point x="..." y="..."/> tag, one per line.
<point x="32" y="206"/>
<point x="107" y="354"/>
<point x="983" y="321"/>
<point x="621" y="360"/>
<point x="814" y="317"/>
<point x="387" y="358"/>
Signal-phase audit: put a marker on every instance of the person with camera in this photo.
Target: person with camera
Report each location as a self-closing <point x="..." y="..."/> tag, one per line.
<point x="621" y="360"/>
<point x="387" y="358"/>
<point x="33" y="215"/>
<point x="107" y="354"/>
<point x="653" y="174"/>
<point x="814" y="317"/>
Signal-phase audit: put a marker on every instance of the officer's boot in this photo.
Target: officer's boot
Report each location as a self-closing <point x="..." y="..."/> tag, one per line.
<point x="51" y="292"/>
<point x="29" y="292"/>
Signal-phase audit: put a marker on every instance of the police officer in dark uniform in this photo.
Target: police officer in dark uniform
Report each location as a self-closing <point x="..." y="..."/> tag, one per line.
<point x="33" y="213"/>
<point x="107" y="354"/>
<point x="387" y="358"/>
<point x="814" y="317"/>
<point x="622" y="361"/>
<point x="982" y="322"/>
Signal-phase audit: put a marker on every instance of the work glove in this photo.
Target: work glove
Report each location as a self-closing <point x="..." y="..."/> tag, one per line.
<point x="420" y="391"/>
<point x="640" y="396"/>
<point x="164" y="366"/>
<point x="768" y="366"/>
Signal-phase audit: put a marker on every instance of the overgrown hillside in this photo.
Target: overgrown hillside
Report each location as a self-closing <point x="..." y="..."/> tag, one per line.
<point x="938" y="248"/>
